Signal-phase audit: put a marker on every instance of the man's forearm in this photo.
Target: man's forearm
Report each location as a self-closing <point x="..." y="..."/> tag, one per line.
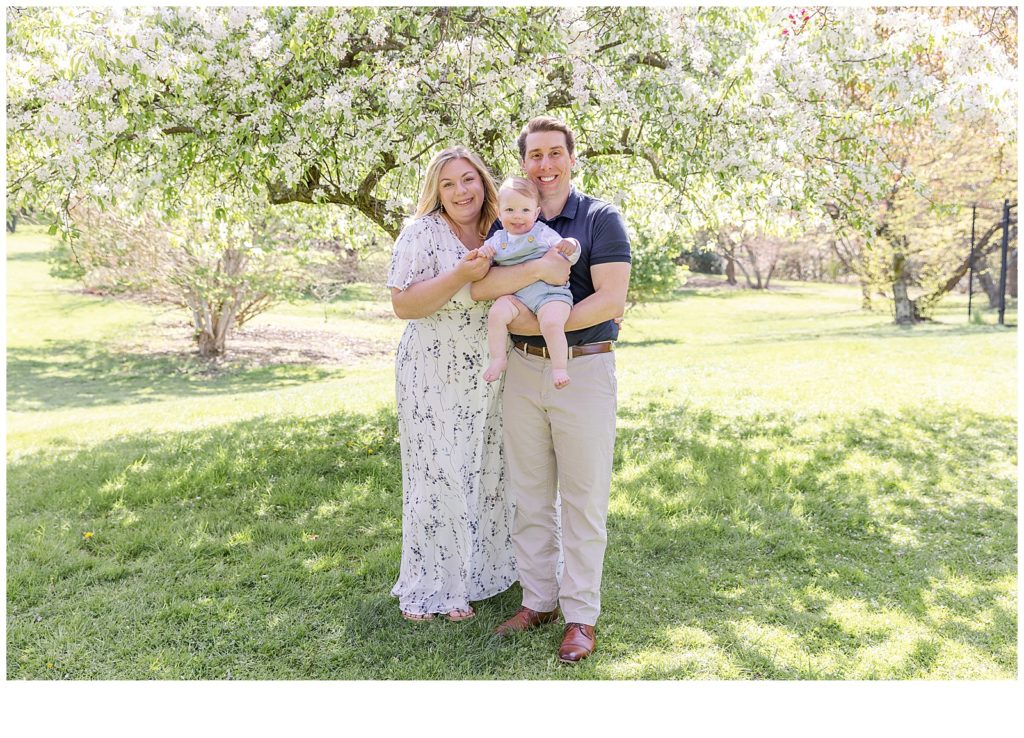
<point x="593" y="310"/>
<point x="503" y="281"/>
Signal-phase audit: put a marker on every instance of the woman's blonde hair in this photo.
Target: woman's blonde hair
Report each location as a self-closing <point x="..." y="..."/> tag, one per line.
<point x="430" y="194"/>
<point x="523" y="186"/>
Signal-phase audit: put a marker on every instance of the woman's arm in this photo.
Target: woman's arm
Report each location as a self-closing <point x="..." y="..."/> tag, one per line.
<point x="551" y="268"/>
<point x="421" y="299"/>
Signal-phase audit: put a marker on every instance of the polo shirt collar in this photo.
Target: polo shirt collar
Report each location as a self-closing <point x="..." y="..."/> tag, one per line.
<point x="572" y="204"/>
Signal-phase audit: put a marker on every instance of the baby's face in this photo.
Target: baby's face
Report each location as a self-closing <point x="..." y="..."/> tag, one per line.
<point x="517" y="212"/>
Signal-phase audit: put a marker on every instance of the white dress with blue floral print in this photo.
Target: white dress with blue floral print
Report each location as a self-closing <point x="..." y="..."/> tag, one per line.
<point x="456" y="517"/>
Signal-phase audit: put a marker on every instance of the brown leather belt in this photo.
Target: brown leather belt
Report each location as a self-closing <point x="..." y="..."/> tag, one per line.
<point x="574" y="351"/>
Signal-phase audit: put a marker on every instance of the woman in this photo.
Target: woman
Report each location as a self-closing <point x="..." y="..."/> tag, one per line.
<point x="456" y="518"/>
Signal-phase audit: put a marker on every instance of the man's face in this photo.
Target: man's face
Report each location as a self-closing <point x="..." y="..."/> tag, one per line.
<point x="548" y="164"/>
<point x="518" y="213"/>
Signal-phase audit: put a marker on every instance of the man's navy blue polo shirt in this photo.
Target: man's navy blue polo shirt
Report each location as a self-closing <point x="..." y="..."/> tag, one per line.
<point x="601" y="231"/>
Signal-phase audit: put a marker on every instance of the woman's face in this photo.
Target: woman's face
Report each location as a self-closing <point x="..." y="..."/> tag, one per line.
<point x="461" y="191"/>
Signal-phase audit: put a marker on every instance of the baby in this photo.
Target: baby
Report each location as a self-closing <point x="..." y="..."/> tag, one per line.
<point x="521" y="239"/>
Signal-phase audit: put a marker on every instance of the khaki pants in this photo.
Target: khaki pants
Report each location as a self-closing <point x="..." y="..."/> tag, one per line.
<point x="560" y="442"/>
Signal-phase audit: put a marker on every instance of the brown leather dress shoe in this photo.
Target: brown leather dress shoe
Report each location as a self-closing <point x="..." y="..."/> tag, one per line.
<point x="577" y="643"/>
<point x="526" y="619"/>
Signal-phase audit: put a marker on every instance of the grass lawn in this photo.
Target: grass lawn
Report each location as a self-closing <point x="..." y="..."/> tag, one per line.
<point x="802" y="491"/>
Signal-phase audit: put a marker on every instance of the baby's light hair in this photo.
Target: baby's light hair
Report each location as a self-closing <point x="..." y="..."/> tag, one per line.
<point x="523" y="186"/>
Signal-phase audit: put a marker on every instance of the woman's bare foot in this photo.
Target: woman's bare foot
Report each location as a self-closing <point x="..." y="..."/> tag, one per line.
<point x="495" y="369"/>
<point x="457" y="615"/>
<point x="561" y="377"/>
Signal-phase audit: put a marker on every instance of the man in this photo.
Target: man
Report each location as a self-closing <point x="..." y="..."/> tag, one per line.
<point x="560" y="442"/>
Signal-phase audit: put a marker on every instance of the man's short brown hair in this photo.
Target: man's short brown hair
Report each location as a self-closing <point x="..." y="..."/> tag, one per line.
<point x="546" y="123"/>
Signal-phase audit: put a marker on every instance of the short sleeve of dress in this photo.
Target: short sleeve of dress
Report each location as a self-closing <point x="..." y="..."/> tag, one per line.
<point x="415" y="256"/>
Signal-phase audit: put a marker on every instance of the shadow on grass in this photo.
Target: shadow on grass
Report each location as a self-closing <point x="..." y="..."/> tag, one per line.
<point x="66" y="374"/>
<point x="726" y="293"/>
<point x="796" y="549"/>
<point x="765" y="547"/>
<point x="882" y="331"/>
<point x="649" y="342"/>
<point x="27" y="256"/>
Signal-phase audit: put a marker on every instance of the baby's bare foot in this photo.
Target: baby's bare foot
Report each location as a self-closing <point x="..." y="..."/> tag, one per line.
<point x="561" y="377"/>
<point x="495" y="369"/>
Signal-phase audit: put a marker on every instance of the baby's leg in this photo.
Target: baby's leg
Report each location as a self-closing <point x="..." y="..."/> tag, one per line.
<point x="552" y="316"/>
<point x="504" y="310"/>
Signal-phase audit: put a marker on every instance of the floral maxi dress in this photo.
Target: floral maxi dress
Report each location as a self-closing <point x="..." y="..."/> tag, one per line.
<point x="456" y="517"/>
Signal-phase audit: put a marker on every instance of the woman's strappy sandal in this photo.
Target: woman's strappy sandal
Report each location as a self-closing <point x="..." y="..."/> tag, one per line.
<point x="415" y="617"/>
<point x="457" y="616"/>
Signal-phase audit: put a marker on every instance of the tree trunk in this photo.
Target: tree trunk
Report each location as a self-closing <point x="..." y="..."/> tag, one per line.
<point x="904" y="305"/>
<point x="212" y="324"/>
<point x="753" y="267"/>
<point x="212" y="335"/>
<point x="746" y="275"/>
<point x="990" y="287"/>
<point x="865" y="295"/>
<point x="209" y="345"/>
<point x="906" y="311"/>
<point x="728" y="251"/>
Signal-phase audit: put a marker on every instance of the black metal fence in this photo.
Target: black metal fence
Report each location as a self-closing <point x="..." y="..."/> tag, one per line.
<point x="1008" y="220"/>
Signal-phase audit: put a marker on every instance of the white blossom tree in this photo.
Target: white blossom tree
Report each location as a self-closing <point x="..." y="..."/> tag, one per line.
<point x="718" y="109"/>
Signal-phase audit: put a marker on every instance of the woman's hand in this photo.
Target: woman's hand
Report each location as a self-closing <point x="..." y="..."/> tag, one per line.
<point x="473" y="266"/>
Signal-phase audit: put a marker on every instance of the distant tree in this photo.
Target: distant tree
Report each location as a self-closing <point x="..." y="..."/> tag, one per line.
<point x="810" y="258"/>
<point x="762" y="256"/>
<point x="918" y="249"/>
<point x="987" y="272"/>
<point x="700" y="255"/>
<point x="224" y="268"/>
<point x="907" y="149"/>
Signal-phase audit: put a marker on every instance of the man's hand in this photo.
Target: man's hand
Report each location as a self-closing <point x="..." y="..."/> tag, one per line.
<point x="553" y="268"/>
